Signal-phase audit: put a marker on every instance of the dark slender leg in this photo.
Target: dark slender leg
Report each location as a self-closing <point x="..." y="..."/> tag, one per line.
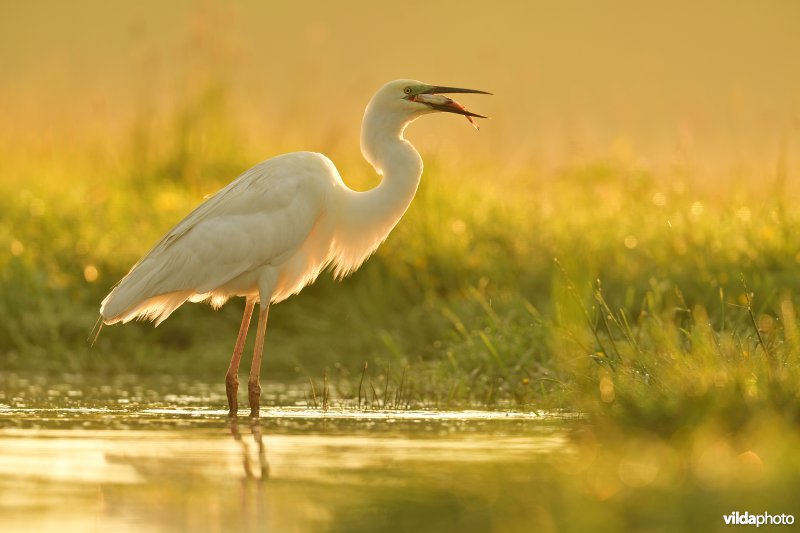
<point x="232" y="377"/>
<point x="253" y="385"/>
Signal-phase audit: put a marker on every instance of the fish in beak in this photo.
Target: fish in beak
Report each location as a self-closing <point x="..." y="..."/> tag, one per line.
<point x="434" y="98"/>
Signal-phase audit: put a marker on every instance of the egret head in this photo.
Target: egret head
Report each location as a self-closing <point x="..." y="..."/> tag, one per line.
<point x="411" y="99"/>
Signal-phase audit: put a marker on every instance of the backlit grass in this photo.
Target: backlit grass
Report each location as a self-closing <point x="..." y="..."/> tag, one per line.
<point x="659" y="303"/>
<point x="606" y="284"/>
<point x="599" y="281"/>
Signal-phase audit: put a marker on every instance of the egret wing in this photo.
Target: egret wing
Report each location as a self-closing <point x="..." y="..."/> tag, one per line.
<point x="258" y="219"/>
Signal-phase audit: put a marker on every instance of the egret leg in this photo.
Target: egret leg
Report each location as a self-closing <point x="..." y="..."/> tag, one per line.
<point x="253" y="385"/>
<point x="232" y="377"/>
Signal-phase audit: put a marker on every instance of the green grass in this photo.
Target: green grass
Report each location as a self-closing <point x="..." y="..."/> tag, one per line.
<point x="601" y="286"/>
<point x="661" y="304"/>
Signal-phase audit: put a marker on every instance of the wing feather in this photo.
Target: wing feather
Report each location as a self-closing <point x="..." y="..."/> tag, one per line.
<point x="258" y="219"/>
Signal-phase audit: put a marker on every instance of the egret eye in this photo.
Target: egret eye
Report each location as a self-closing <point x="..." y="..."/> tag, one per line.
<point x="407" y="90"/>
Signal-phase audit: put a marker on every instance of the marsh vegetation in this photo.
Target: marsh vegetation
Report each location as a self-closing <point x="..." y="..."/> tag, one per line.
<point x="653" y="292"/>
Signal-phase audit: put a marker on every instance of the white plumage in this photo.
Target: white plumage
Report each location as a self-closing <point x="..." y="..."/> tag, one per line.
<point x="252" y="227"/>
<point x="271" y="231"/>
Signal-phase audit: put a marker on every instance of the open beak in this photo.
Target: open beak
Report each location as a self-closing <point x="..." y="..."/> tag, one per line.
<point x="451" y="90"/>
<point x="434" y="99"/>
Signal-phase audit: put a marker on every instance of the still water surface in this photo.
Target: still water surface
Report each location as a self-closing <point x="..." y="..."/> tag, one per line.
<point x="94" y="459"/>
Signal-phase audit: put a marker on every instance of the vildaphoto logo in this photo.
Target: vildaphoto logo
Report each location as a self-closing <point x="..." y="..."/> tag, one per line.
<point x="764" y="519"/>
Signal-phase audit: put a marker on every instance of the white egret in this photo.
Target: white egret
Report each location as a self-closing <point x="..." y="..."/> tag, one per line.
<point x="272" y="230"/>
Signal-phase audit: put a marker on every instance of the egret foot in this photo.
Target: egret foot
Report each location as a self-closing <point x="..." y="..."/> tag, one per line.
<point x="253" y="395"/>
<point x="232" y="388"/>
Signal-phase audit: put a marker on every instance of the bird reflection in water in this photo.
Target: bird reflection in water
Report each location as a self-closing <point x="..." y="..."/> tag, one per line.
<point x="253" y="499"/>
<point x="263" y="465"/>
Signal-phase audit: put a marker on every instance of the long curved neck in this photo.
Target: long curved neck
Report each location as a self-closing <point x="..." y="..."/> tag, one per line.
<point x="366" y="218"/>
<point x="394" y="158"/>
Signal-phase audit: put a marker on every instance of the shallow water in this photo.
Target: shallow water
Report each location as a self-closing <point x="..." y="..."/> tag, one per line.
<point x="93" y="459"/>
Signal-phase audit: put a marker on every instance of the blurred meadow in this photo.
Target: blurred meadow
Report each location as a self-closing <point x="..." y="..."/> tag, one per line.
<point x="620" y="238"/>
